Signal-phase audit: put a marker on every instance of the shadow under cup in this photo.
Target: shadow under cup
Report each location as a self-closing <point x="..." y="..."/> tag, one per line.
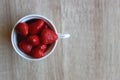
<point x="15" y="41"/>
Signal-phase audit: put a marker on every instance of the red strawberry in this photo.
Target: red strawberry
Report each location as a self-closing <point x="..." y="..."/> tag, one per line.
<point x="37" y="53"/>
<point x="33" y="40"/>
<point x="42" y="47"/>
<point x="35" y="27"/>
<point x="22" y="29"/>
<point x="25" y="47"/>
<point x="48" y="36"/>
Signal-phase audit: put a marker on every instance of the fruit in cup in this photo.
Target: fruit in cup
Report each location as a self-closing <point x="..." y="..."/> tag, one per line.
<point x="33" y="40"/>
<point x="37" y="52"/>
<point x="42" y="47"/>
<point x="48" y="36"/>
<point x="34" y="37"/>
<point x="25" y="47"/>
<point x="35" y="27"/>
<point x="22" y="29"/>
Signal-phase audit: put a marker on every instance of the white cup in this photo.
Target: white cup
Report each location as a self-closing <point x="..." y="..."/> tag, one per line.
<point x="52" y="47"/>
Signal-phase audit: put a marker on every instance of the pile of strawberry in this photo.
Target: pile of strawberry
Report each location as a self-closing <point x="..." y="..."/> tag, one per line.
<point x="34" y="37"/>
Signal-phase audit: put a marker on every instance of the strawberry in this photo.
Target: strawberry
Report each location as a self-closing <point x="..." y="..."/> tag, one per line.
<point x="25" y="47"/>
<point x="48" y="36"/>
<point x="42" y="47"/>
<point x="33" y="40"/>
<point x="22" y="29"/>
<point x="37" y="53"/>
<point x="35" y="27"/>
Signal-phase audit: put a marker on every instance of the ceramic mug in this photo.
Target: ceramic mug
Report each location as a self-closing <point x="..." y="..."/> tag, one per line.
<point x="52" y="47"/>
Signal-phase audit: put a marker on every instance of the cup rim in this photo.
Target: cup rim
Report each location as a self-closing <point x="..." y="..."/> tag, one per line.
<point x="18" y="51"/>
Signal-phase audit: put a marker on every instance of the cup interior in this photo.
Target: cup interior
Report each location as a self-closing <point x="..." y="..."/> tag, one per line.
<point x="15" y="42"/>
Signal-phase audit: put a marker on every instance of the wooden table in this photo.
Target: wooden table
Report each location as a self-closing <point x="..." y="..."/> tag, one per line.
<point x="91" y="53"/>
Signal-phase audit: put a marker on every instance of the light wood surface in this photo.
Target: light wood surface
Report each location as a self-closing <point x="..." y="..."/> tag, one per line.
<point x="91" y="53"/>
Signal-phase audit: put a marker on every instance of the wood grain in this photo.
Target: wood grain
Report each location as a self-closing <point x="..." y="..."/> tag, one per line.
<point x="91" y="53"/>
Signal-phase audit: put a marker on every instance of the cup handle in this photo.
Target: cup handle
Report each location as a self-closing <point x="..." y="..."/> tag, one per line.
<point x="63" y="36"/>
